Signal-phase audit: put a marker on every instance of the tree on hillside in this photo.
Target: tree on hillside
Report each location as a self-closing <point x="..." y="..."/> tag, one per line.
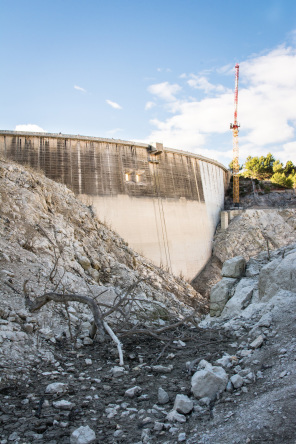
<point x="281" y="179"/>
<point x="289" y="168"/>
<point x="259" y="167"/>
<point x="278" y="167"/>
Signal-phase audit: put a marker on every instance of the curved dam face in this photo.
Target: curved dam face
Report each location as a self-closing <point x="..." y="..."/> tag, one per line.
<point x="165" y="203"/>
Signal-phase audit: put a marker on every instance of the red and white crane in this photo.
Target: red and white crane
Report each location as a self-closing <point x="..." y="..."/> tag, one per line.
<point x="234" y="127"/>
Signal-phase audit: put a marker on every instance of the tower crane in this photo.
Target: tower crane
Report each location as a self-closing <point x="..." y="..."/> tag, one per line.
<point x="234" y="127"/>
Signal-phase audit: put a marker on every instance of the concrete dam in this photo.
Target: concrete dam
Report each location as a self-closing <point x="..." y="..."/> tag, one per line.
<point x="165" y="203"/>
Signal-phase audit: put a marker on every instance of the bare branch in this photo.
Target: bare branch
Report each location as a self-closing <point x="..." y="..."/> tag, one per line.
<point x="155" y="333"/>
<point x="40" y="301"/>
<point x="116" y="340"/>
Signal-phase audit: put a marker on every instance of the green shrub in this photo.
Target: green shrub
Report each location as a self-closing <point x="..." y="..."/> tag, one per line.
<point x="282" y="180"/>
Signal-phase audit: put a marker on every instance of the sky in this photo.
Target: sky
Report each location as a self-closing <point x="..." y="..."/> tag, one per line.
<point x="153" y="71"/>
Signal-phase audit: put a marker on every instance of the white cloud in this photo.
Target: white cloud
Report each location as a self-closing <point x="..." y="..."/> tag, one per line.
<point x="165" y="90"/>
<point x="113" y="104"/>
<point x="226" y="69"/>
<point x="288" y="152"/>
<point x="266" y="110"/>
<point x="30" y="128"/>
<point x="79" y="88"/>
<point x="201" y="82"/>
<point x="149" y="105"/>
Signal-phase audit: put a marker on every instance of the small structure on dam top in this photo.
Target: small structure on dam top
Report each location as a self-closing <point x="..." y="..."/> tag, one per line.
<point x="165" y="203"/>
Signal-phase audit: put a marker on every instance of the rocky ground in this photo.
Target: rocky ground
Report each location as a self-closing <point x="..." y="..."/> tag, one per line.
<point x="252" y="232"/>
<point x="247" y="397"/>
<point x="224" y="380"/>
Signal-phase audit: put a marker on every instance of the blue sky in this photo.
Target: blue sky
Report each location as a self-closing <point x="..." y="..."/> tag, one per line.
<point x="153" y="71"/>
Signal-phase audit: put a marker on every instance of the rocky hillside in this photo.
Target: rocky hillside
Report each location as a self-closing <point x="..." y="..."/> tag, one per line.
<point x="254" y="231"/>
<point x="53" y="242"/>
<point x="261" y="194"/>
<point x="259" y="311"/>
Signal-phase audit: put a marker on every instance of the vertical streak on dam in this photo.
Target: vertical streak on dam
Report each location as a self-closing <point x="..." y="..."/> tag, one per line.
<point x="166" y="205"/>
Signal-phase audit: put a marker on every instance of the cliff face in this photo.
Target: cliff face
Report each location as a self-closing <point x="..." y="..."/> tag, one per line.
<point x="254" y="231"/>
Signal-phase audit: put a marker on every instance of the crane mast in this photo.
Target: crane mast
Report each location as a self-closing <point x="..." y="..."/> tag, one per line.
<point x="234" y="127"/>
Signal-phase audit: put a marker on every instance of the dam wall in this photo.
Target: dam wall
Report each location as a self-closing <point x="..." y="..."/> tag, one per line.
<point x="165" y="203"/>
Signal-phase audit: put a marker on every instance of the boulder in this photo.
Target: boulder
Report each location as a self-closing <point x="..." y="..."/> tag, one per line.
<point x="279" y="274"/>
<point x="209" y="381"/>
<point x="234" y="267"/>
<point x="220" y="294"/>
<point x="183" y="404"/>
<point x="241" y="298"/>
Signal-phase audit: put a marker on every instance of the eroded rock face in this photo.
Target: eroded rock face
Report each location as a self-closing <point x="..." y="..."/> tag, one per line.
<point x="279" y="274"/>
<point x="249" y="234"/>
<point x="268" y="275"/>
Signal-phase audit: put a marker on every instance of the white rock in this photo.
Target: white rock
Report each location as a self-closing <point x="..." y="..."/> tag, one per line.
<point x="182" y="437"/>
<point x="257" y="342"/>
<point x="220" y="293"/>
<point x="234" y="267"/>
<point x="56" y="387"/>
<point x="158" y="426"/>
<point x="162" y="368"/>
<point x="88" y="361"/>
<point x="146" y="436"/>
<point x="46" y="332"/>
<point x="63" y="404"/>
<point x="241" y="298"/>
<point x="265" y="320"/>
<point x="174" y="416"/>
<point x="237" y="381"/>
<point x="83" y="435"/>
<point x="225" y="361"/>
<point x="245" y="353"/>
<point x="132" y="392"/>
<point x="183" y="404"/>
<point x="209" y="382"/>
<point x="163" y="397"/>
<point x="117" y="371"/>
